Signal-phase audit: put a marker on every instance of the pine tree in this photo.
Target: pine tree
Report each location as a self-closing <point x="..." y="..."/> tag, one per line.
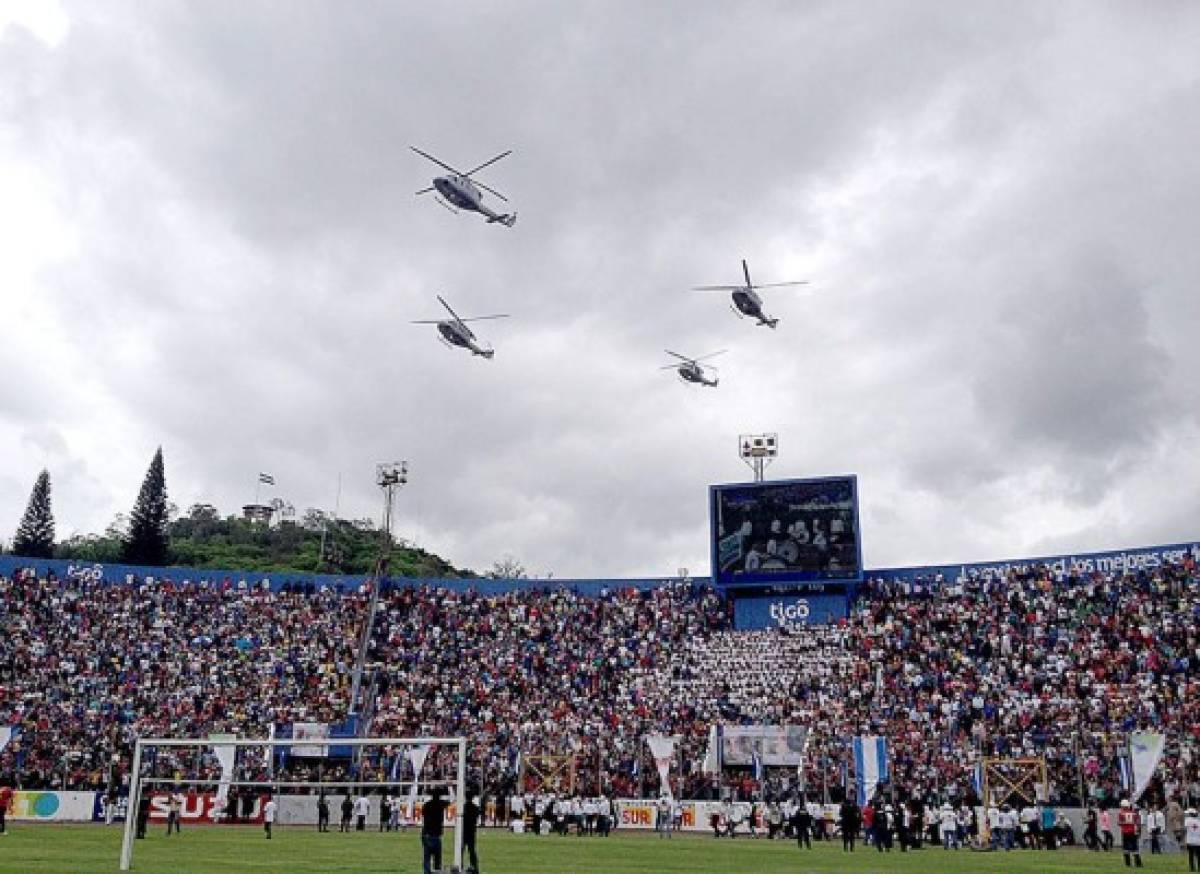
<point x="35" y="536"/>
<point x="146" y="542"/>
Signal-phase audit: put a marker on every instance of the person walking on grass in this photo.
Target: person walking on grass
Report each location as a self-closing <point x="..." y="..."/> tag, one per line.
<point x="433" y="817"/>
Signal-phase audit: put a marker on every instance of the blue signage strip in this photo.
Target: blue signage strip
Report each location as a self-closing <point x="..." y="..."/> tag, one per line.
<point x="758" y="612"/>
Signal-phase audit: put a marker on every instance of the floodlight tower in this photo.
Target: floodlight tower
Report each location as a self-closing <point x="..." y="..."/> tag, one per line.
<point x="758" y="451"/>
<point x="389" y="476"/>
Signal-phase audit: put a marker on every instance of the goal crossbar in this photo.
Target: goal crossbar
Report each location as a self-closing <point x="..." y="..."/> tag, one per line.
<point x="136" y="780"/>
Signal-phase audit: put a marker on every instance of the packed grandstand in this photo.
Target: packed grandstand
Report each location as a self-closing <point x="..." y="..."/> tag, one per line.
<point x="1027" y="661"/>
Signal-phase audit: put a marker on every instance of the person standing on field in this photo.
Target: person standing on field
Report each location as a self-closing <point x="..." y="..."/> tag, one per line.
<point x="432" y="823"/>
<point x="362" y="809"/>
<point x="269" y="810"/>
<point x="1130" y="824"/>
<point x="471" y="814"/>
<point x="347" y="813"/>
<point x="322" y="813"/>
<point x="6" y="800"/>
<point x="1191" y="838"/>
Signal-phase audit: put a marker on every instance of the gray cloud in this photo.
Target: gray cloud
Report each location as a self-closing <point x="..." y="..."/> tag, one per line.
<point x="996" y="206"/>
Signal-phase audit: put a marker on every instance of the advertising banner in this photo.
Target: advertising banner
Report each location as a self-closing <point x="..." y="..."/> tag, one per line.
<point x="100" y="808"/>
<point x="206" y="808"/>
<point x="757" y="613"/>
<point x="52" y="806"/>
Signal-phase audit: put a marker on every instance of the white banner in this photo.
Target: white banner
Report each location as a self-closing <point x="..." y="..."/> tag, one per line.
<point x="775" y="745"/>
<point x="310" y="731"/>
<point x="6" y="735"/>
<point x="1145" y="749"/>
<point x="416" y="757"/>
<point x="662" y="748"/>
<point x="52" y="806"/>
<point x="225" y="754"/>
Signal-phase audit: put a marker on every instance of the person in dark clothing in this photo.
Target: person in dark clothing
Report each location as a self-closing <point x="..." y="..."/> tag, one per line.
<point x="385" y="812"/>
<point x="247" y="806"/>
<point x="851" y="821"/>
<point x="802" y="823"/>
<point x="883" y="829"/>
<point x="322" y="813"/>
<point x="471" y="813"/>
<point x="433" y="817"/>
<point x="1091" y="832"/>
<point x="347" y="813"/>
<point x="143" y="815"/>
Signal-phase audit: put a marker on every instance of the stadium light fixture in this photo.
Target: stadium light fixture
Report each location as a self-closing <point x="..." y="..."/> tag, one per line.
<point x="758" y="451"/>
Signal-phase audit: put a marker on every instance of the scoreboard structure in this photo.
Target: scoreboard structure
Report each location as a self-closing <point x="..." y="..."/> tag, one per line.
<point x="789" y="552"/>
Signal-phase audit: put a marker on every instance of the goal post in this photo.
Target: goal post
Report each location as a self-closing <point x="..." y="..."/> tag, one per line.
<point x="138" y="779"/>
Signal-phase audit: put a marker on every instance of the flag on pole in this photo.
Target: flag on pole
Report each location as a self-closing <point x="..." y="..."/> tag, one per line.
<point x="266" y="479"/>
<point x="1145" y="750"/>
<point x="1126" y="776"/>
<point x="395" y="773"/>
<point x="758" y="766"/>
<point x="977" y="781"/>
<point x="870" y="765"/>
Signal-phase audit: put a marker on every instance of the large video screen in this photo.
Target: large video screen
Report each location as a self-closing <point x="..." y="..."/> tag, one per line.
<point x="787" y="531"/>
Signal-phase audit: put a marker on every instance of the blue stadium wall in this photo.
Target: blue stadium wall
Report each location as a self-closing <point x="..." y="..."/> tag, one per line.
<point x="781" y="608"/>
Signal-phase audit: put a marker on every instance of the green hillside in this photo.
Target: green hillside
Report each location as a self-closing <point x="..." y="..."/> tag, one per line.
<point x="314" y="543"/>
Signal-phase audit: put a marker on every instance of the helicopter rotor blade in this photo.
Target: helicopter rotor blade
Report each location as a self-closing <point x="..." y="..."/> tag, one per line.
<point x="423" y="191"/>
<point x="780" y="284"/>
<point x="426" y="321"/>
<point x="487" y="188"/>
<point x="711" y="355"/>
<point x="487" y="164"/>
<point x="437" y="161"/>
<point x="746" y="273"/>
<point x="680" y="357"/>
<point x="485" y="318"/>
<point x="717" y="287"/>
<point x="447" y="306"/>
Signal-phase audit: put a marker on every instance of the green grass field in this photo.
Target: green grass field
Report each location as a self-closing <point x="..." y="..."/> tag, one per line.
<point x="45" y="849"/>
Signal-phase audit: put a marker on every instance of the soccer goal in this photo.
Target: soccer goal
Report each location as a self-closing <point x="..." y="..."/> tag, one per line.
<point x="198" y="777"/>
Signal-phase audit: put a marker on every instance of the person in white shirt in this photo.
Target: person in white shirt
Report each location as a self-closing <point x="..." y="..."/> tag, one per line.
<point x="662" y="817"/>
<point x="604" y="816"/>
<point x="1191" y="838"/>
<point x="677" y="815"/>
<point x="269" y="810"/>
<point x="362" y="809"/>
<point x="1156" y="822"/>
<point x="949" y="826"/>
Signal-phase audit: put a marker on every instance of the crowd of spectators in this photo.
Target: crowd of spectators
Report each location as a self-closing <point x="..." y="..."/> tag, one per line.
<point x="1024" y="663"/>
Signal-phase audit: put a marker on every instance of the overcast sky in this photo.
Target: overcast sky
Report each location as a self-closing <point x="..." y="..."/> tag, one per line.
<point x="209" y="241"/>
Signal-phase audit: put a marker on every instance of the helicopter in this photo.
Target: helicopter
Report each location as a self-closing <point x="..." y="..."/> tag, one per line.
<point x="459" y="191"/>
<point x="692" y="371"/>
<point x="746" y="301"/>
<point x="455" y="332"/>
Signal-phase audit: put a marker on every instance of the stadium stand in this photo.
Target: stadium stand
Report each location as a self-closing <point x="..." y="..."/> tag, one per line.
<point x="1019" y="663"/>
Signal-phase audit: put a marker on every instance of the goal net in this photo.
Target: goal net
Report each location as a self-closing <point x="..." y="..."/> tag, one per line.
<point x="227" y="780"/>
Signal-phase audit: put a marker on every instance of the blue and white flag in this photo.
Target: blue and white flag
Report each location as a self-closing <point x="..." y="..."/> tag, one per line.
<point x="977" y="781"/>
<point x="1126" y="774"/>
<point x="396" y="760"/>
<point x="637" y="765"/>
<point x="870" y="765"/>
<point x="756" y="760"/>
